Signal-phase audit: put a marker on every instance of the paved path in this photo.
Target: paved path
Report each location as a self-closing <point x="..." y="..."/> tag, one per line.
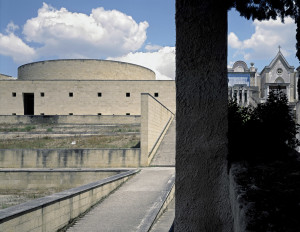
<point x="129" y="207"/>
<point x="165" y="155"/>
<point x="125" y="209"/>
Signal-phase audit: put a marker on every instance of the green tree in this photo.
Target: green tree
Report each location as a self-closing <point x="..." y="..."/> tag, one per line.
<point x="265" y="132"/>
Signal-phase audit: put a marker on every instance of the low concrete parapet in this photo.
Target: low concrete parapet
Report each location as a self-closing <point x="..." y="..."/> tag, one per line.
<point x="55" y="211"/>
<point x="69" y="158"/>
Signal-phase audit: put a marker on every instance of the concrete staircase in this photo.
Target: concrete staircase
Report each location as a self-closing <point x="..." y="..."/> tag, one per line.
<point x="165" y="155"/>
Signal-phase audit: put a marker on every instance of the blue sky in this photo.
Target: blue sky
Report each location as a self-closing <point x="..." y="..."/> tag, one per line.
<point x="137" y="31"/>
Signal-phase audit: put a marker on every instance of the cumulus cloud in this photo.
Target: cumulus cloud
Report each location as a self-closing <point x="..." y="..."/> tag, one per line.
<point x="11" y="27"/>
<point x="267" y="37"/>
<point x="12" y="45"/>
<point x="64" y="34"/>
<point x="150" y="47"/>
<point x="100" y="34"/>
<point x="162" y="62"/>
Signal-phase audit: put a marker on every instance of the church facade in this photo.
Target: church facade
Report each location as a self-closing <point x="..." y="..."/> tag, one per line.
<point x="249" y="87"/>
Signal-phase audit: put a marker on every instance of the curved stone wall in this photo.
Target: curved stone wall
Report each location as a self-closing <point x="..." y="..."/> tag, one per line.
<point x="82" y="69"/>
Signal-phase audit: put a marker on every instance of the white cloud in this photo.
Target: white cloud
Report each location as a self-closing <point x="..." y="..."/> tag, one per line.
<point x="72" y="35"/>
<point x="264" y="41"/>
<point x="11" y="27"/>
<point x="64" y="34"/>
<point x="150" y="47"/>
<point x="162" y="62"/>
<point x="11" y="45"/>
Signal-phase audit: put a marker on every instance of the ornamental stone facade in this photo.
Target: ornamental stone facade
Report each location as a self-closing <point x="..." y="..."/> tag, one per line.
<point x="249" y="87"/>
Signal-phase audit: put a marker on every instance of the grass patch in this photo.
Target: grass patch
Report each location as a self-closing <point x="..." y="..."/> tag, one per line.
<point x="17" y="129"/>
<point x="117" y="141"/>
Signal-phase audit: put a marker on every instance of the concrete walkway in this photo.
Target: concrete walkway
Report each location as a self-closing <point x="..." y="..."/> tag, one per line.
<point x="128" y="207"/>
<point x="165" y="155"/>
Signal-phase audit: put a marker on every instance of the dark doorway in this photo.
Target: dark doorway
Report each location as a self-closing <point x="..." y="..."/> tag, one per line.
<point x="28" y="100"/>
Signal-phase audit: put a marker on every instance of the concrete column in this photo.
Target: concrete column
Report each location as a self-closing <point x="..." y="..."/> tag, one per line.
<point x="238" y="96"/>
<point x="248" y="95"/>
<point x="202" y="194"/>
<point x="243" y="97"/>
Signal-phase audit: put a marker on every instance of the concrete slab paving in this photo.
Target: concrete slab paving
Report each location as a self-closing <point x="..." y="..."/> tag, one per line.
<point x="165" y="155"/>
<point x="127" y="208"/>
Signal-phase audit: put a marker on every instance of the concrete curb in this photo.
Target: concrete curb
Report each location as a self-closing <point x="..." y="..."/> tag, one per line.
<point x="158" y="207"/>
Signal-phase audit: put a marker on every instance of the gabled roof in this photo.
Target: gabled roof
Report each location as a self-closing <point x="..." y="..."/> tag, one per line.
<point x="280" y="57"/>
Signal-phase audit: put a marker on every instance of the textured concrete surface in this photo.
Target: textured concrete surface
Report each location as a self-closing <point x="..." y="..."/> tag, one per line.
<point x="165" y="155"/>
<point x="128" y="207"/>
<point x="202" y="193"/>
<point x="165" y="222"/>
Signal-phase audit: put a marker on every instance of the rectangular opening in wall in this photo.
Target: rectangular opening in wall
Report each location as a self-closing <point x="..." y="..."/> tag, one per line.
<point x="13" y="94"/>
<point x="42" y="94"/>
<point x="155" y="94"/>
<point x="99" y="114"/>
<point x="127" y="94"/>
<point x="70" y="113"/>
<point x="70" y="94"/>
<point x="127" y="113"/>
<point x="42" y="114"/>
<point x="99" y="94"/>
<point x="28" y="101"/>
<point x="13" y="114"/>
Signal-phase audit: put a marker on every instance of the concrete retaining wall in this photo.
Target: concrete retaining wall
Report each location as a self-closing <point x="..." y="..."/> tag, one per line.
<point x="54" y="212"/>
<point x="155" y="121"/>
<point x="69" y="158"/>
<point x="70" y="119"/>
<point x="49" y="181"/>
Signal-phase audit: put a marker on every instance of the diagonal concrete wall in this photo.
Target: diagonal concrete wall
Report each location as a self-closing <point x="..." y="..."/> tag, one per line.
<point x="155" y="121"/>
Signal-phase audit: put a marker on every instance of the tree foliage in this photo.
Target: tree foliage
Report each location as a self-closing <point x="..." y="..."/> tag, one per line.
<point x="264" y="132"/>
<point x="270" y="9"/>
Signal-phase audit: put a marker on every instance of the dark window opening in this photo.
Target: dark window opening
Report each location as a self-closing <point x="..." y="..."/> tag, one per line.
<point x="14" y="94"/>
<point x="155" y="94"/>
<point x="99" y="94"/>
<point x="127" y="113"/>
<point x="42" y="114"/>
<point x="28" y="100"/>
<point x="14" y="114"/>
<point x="70" y="113"/>
<point x="99" y="114"/>
<point x="127" y="94"/>
<point x="70" y="94"/>
<point x="42" y="94"/>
